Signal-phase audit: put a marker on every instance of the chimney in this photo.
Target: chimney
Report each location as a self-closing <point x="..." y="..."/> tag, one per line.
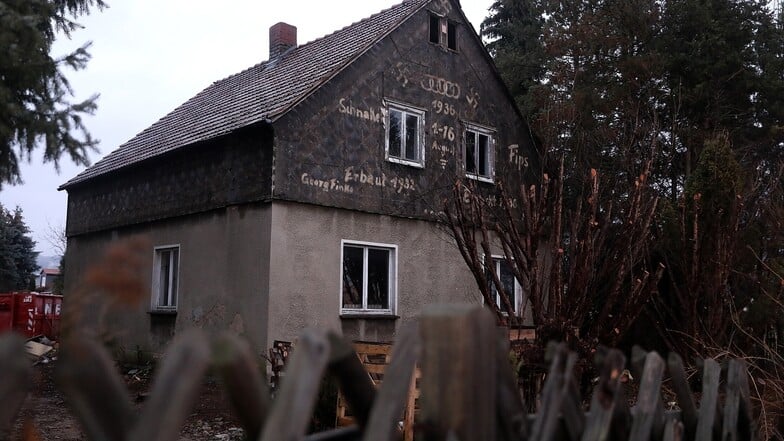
<point x="282" y="37"/>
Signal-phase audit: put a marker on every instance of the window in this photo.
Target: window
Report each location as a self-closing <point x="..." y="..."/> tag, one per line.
<point x="451" y="40"/>
<point x="165" y="277"/>
<point x="405" y="135"/>
<point x="479" y="153"/>
<point x="509" y="283"/>
<point x="369" y="278"/>
<point x="443" y="32"/>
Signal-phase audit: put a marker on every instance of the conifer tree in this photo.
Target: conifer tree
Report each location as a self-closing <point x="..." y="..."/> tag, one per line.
<point x="17" y="254"/>
<point x="37" y="110"/>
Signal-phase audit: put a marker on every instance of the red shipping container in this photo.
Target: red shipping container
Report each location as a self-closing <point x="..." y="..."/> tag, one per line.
<point x="31" y="313"/>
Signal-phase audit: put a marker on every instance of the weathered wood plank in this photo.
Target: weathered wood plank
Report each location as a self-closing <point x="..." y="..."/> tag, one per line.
<point x="94" y="389"/>
<point x="458" y="373"/>
<point x="571" y="409"/>
<point x="355" y="384"/>
<point x="605" y="396"/>
<point x="248" y="392"/>
<point x="512" y="421"/>
<point x="648" y="400"/>
<point x="174" y="389"/>
<point x="293" y="407"/>
<point x="673" y="430"/>
<point x="546" y="422"/>
<point x="735" y="424"/>
<point x="683" y="394"/>
<point x="394" y="391"/>
<point x="14" y="380"/>
<point x="706" y="425"/>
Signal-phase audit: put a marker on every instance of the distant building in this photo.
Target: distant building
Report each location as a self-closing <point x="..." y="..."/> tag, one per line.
<point x="300" y="192"/>
<point x="46" y="279"/>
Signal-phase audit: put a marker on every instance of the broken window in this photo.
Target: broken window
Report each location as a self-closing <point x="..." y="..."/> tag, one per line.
<point x="405" y="135"/>
<point x="165" y="277"/>
<point x="368" y="279"/>
<point x="451" y="40"/>
<point x="478" y="153"/>
<point x="435" y="31"/>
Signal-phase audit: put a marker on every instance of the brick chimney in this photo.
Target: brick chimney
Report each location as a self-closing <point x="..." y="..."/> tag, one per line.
<point x="282" y="37"/>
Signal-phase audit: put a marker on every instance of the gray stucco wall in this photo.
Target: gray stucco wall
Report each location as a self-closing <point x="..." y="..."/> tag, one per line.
<point x="305" y="270"/>
<point x="223" y="274"/>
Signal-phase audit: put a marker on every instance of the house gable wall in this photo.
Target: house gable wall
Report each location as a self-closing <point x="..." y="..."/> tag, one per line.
<point x="232" y="169"/>
<point x="330" y="150"/>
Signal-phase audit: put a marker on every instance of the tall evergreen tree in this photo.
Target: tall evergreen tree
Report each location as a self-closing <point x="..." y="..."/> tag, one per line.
<point x="17" y="254"/>
<point x="35" y="93"/>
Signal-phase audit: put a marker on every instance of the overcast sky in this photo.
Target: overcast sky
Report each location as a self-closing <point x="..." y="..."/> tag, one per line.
<point x="149" y="56"/>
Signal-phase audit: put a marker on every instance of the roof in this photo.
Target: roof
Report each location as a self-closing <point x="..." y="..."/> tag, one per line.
<point x="262" y="92"/>
<point x="51" y="271"/>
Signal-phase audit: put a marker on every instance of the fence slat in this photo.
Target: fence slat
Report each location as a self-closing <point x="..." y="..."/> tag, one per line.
<point x="605" y="396"/>
<point x="458" y="373"/>
<point x="683" y="395"/>
<point x="648" y="400"/>
<point x="709" y="401"/>
<point x="673" y="430"/>
<point x="14" y="380"/>
<point x="247" y="391"/>
<point x="546" y="422"/>
<point x="735" y="426"/>
<point x="353" y="380"/>
<point x="512" y="420"/>
<point x="94" y="389"/>
<point x="174" y="389"/>
<point x="293" y="407"/>
<point x="393" y="393"/>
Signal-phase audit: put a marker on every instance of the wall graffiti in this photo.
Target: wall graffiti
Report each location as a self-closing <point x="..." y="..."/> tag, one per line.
<point x="440" y="86"/>
<point x="516" y="159"/>
<point x="346" y="107"/>
<point x="473" y="98"/>
<point x="354" y="178"/>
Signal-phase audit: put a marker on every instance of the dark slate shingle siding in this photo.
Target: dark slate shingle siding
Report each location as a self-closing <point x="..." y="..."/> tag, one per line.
<point x="261" y="92"/>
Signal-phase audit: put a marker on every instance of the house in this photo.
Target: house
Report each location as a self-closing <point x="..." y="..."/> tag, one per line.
<point x="46" y="279"/>
<point x="300" y="192"/>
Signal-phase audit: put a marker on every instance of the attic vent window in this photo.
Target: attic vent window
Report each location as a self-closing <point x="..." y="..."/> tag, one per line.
<point x="443" y="32"/>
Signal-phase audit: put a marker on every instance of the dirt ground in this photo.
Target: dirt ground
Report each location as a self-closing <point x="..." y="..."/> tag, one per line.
<point x="46" y="410"/>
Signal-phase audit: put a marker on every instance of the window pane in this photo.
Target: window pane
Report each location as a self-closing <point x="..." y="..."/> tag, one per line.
<point x="507" y="281"/>
<point x="452" y="36"/>
<point x="395" y="129"/>
<point x="470" y="153"/>
<point x="412" y="138"/>
<point x="483" y="155"/>
<point x="378" y="279"/>
<point x="434" y="31"/>
<point x="163" y="278"/>
<point x="174" y="271"/>
<point x="353" y="259"/>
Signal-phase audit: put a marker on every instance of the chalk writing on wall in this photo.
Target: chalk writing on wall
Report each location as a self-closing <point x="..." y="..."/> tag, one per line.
<point x="443" y="131"/>
<point x="444" y="108"/>
<point x="345" y="106"/>
<point x="440" y="86"/>
<point x="473" y="98"/>
<point x="327" y="185"/>
<point x="515" y="159"/>
<point x="357" y="177"/>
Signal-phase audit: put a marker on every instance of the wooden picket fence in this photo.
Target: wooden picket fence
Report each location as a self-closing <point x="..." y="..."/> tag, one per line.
<point x="468" y="390"/>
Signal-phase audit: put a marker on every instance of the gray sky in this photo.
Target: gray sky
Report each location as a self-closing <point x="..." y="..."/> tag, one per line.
<point x="149" y="56"/>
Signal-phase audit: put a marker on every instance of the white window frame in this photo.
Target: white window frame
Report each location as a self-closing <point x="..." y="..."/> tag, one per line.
<point x="405" y="109"/>
<point x="517" y="302"/>
<point x="393" y="280"/>
<point x="156" y="272"/>
<point x="472" y="129"/>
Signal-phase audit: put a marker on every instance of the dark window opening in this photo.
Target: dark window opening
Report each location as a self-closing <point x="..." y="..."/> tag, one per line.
<point x="452" y="36"/>
<point x="435" y="32"/>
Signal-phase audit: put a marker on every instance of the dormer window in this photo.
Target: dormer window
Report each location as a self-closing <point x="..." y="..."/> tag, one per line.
<point x="443" y="32"/>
